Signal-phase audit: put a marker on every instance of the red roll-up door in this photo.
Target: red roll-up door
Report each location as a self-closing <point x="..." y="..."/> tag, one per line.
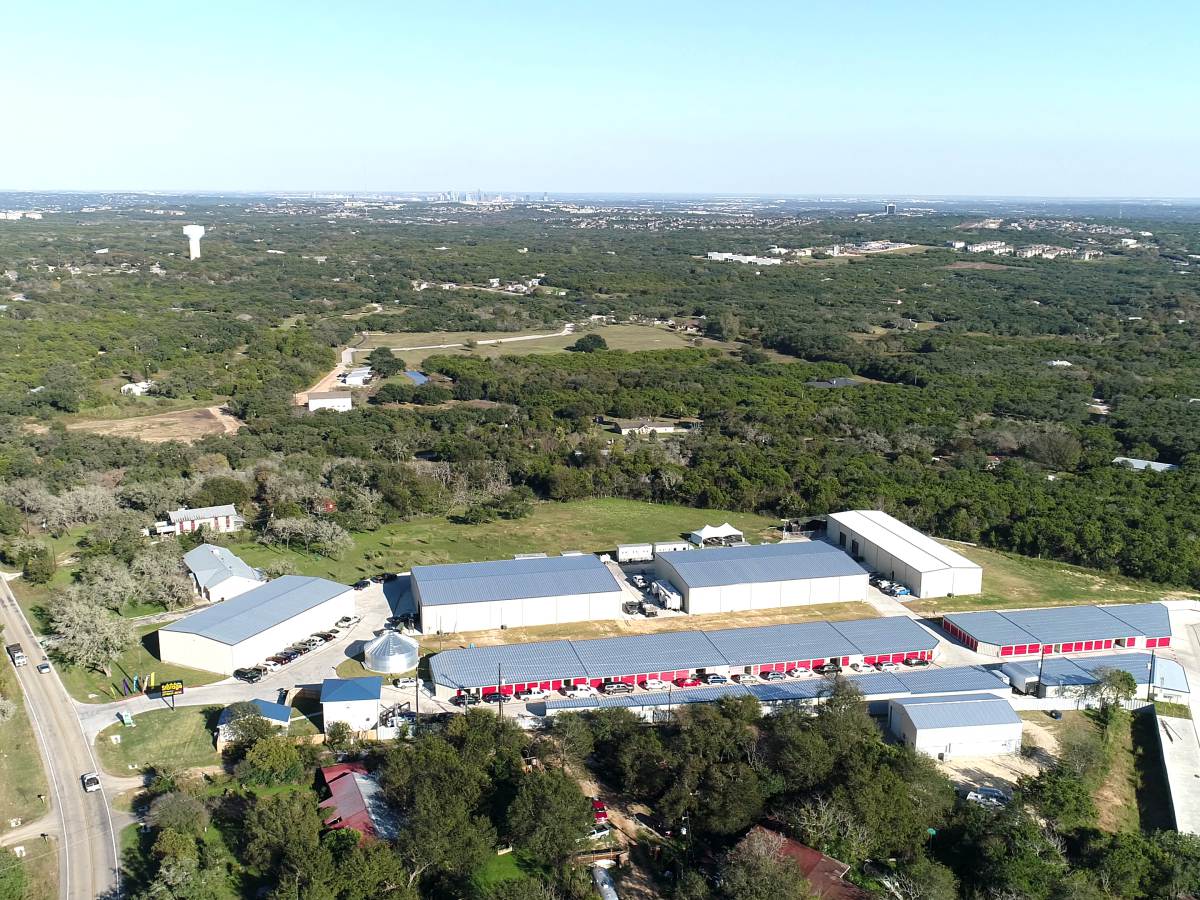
<point x="1006" y="651"/>
<point x="1164" y="642"/>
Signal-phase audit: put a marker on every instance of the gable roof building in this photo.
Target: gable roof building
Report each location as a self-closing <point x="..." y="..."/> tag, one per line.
<point x="219" y="574"/>
<point x="356" y="801"/>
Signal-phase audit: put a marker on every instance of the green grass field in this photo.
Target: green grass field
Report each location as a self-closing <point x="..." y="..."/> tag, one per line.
<point x="89" y="686"/>
<point x="618" y="337"/>
<point x="1011" y="581"/>
<point x="22" y="778"/>
<point x="180" y="738"/>
<point x="588" y="525"/>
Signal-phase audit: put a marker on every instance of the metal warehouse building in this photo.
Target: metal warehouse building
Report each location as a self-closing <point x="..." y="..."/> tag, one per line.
<point x="1062" y="677"/>
<point x="762" y="576"/>
<point x="512" y="593"/>
<point x="246" y="629"/>
<point x="878" y="689"/>
<point x="1065" y="629"/>
<point x="677" y="654"/>
<point x="899" y="553"/>
<point x="947" y="726"/>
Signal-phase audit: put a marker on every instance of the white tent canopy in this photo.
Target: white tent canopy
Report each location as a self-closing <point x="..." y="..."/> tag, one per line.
<point x="723" y="533"/>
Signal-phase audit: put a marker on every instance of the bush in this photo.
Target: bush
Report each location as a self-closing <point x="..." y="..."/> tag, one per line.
<point x="589" y="343"/>
<point x="40" y="567"/>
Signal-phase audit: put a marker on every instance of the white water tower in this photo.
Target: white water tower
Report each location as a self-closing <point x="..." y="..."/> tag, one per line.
<point x="194" y="233"/>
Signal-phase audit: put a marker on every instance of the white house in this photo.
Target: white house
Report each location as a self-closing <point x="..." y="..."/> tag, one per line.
<point x="136" y="388"/>
<point x="354" y="701"/>
<point x="218" y="573"/>
<point x="221" y="519"/>
<point x="338" y="401"/>
<point x="357" y="377"/>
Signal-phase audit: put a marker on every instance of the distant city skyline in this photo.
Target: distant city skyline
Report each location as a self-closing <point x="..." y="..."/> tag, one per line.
<point x="895" y="101"/>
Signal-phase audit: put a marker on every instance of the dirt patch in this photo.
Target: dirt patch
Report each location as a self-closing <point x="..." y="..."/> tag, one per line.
<point x="185" y="425"/>
<point x="826" y="612"/>
<point x="989" y="771"/>
<point x="966" y="264"/>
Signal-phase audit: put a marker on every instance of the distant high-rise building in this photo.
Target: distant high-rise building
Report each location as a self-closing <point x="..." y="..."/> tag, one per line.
<point x="545" y="196"/>
<point x="889" y="209"/>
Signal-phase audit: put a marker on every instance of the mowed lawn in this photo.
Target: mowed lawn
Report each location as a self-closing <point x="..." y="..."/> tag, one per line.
<point x="587" y="525"/>
<point x="1011" y="582"/>
<point x="618" y="337"/>
<point x="179" y="738"/>
<point x="90" y="686"/>
<point x="22" y="778"/>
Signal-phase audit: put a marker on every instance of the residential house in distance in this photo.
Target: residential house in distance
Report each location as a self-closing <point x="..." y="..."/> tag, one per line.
<point x="277" y="715"/>
<point x="1143" y="465"/>
<point x="357" y="377"/>
<point x="221" y="519"/>
<point x="338" y="401"/>
<point x="356" y="801"/>
<point x="826" y="876"/>
<point x="651" y="426"/>
<point x="834" y="383"/>
<point x="136" y="388"/>
<point x="218" y="573"/>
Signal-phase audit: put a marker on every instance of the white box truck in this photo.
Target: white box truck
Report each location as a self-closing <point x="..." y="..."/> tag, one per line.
<point x="627" y="553"/>
<point x="16" y="654"/>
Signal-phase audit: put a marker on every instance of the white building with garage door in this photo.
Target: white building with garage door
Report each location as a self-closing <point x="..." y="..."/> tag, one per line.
<point x="899" y="553"/>
<point x="762" y="576"/>
<point x="513" y="593"/>
<point x="953" y="726"/>
<point x="246" y="629"/>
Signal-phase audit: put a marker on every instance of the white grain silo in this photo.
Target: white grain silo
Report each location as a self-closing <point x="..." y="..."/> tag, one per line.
<point x="391" y="653"/>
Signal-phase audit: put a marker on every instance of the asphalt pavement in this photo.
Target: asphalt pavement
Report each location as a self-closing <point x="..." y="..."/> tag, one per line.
<point x="80" y="823"/>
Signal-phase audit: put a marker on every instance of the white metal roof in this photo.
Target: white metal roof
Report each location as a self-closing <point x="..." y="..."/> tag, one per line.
<point x="206" y="512"/>
<point x="892" y="536"/>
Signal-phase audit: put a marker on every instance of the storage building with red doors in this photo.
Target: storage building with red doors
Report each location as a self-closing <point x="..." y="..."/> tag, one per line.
<point x="1065" y="629"/>
<point x="673" y="655"/>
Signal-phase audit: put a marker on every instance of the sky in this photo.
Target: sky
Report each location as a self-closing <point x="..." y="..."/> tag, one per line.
<point x="1055" y="98"/>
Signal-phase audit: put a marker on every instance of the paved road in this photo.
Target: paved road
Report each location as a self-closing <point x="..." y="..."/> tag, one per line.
<point x="87" y="847"/>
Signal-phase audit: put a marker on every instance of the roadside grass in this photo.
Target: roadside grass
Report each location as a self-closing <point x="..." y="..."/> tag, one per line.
<point x="40" y="867"/>
<point x="1172" y="710"/>
<point x="22" y="777"/>
<point x="89" y="686"/>
<point x="179" y="738"/>
<point x="589" y="525"/>
<point x="1011" y="581"/>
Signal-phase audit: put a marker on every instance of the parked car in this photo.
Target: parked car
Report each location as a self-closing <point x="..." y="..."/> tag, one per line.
<point x="774" y="676"/>
<point x="991" y="793"/>
<point x="631" y="607"/>
<point x="404" y="683"/>
<point x="380" y="578"/>
<point x="300" y="647"/>
<point x="465" y="700"/>
<point x="250" y="676"/>
<point x="90" y="782"/>
<point x="715" y="679"/>
<point x="887" y="667"/>
<point x="861" y="667"/>
<point x="748" y="678"/>
<point x="493" y="697"/>
<point x="393" y="623"/>
<point x="689" y="681"/>
<point x="314" y="642"/>
<point x="327" y="636"/>
<point x="796" y="673"/>
<point x="599" y="810"/>
<point x="875" y="579"/>
<point x="651" y="684"/>
<point x="618" y="687"/>
<point x="830" y="668"/>
<point x="579" y="690"/>
<point x="334" y="632"/>
<point x="288" y="655"/>
<point x="362" y="585"/>
<point x="533" y="693"/>
<point x="1055" y="714"/>
<point x="598" y="833"/>
<point x="649" y="610"/>
<point x="271" y="665"/>
<point x="390" y="576"/>
<point x="916" y="663"/>
<point x="348" y="621"/>
<point x="277" y="659"/>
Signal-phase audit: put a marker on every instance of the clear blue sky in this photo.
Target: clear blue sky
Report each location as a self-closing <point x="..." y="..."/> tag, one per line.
<point x="1051" y="98"/>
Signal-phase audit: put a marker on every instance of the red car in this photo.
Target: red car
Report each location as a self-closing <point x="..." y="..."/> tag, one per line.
<point x="688" y="682"/>
<point x="599" y="811"/>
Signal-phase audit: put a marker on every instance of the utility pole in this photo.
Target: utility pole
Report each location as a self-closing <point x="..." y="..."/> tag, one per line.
<point x="500" y="688"/>
<point x="1041" y="663"/>
<point x="1150" y="687"/>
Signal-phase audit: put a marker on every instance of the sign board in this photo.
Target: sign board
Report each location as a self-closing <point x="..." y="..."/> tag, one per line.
<point x="170" y="688"/>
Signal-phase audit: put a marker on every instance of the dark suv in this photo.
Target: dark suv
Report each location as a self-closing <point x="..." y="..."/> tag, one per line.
<point x="250" y="676"/>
